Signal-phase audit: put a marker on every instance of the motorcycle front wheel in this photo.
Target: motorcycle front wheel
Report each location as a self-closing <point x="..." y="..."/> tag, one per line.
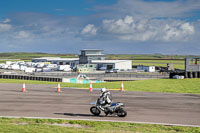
<point x="121" y="113"/>
<point x="95" y="111"/>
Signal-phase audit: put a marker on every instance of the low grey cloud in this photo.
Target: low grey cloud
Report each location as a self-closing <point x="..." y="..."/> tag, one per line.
<point x="5" y="26"/>
<point x="149" y="9"/>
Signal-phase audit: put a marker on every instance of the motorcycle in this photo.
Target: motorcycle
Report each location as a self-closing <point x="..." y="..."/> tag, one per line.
<point x="114" y="108"/>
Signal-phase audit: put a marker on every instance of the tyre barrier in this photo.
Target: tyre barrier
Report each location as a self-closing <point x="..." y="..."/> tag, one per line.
<point x="25" y="77"/>
<point x="187" y="74"/>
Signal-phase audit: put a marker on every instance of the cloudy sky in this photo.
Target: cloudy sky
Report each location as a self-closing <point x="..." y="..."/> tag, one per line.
<point x="115" y="26"/>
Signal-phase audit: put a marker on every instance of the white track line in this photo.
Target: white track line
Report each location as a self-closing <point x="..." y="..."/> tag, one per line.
<point x="137" y="122"/>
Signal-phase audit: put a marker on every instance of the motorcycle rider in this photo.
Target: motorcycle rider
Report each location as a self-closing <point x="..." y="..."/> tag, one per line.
<point x="105" y="99"/>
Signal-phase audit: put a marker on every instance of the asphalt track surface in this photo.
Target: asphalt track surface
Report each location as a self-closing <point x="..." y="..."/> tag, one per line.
<point x="44" y="101"/>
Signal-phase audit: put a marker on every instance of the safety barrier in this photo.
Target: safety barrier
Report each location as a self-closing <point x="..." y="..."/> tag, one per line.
<point x="57" y="77"/>
<point x="186" y="74"/>
<point x="26" y="77"/>
<point x="103" y="75"/>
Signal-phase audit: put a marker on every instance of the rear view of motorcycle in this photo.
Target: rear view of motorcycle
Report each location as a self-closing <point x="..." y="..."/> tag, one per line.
<point x="113" y="109"/>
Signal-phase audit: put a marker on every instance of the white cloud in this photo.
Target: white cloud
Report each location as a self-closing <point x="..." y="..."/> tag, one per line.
<point x="7" y="20"/>
<point x="23" y="35"/>
<point x="178" y="32"/>
<point x="187" y="28"/>
<point x="120" y="26"/>
<point x="89" y="30"/>
<point x="129" y="29"/>
<point x="148" y="29"/>
<point x="5" y="27"/>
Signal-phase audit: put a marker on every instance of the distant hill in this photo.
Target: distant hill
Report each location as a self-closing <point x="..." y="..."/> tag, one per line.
<point x="28" y="56"/>
<point x="146" y="57"/>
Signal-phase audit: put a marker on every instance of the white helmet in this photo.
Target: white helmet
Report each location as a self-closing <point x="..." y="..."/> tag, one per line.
<point x="103" y="89"/>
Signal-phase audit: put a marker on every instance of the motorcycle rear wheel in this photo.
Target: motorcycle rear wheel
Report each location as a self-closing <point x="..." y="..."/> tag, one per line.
<point x="121" y="113"/>
<point x="95" y="111"/>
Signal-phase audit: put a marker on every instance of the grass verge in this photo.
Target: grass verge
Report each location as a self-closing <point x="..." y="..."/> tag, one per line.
<point x="152" y="85"/>
<point x="24" y="125"/>
<point x="176" y="66"/>
<point x="161" y="61"/>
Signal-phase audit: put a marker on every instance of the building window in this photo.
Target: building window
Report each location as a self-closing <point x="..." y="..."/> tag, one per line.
<point x="83" y="53"/>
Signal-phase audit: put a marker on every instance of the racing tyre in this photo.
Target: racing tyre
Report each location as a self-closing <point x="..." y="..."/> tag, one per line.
<point x="121" y="113"/>
<point x="95" y="111"/>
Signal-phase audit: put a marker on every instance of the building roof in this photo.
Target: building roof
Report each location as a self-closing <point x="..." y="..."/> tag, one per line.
<point x="95" y="54"/>
<point x="109" y="61"/>
<point x="45" y="58"/>
<point x="64" y="59"/>
<point x="55" y="59"/>
<point x="91" y="50"/>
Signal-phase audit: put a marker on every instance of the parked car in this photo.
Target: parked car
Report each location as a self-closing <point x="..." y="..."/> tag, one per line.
<point x="111" y="71"/>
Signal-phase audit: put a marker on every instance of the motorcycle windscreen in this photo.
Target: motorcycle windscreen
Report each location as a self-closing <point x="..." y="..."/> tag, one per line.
<point x="93" y="103"/>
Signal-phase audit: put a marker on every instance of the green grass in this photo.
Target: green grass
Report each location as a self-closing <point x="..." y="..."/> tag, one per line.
<point x="161" y="61"/>
<point x="152" y="85"/>
<point x="147" y="56"/>
<point x="178" y="64"/>
<point x="4" y="61"/>
<point x="143" y="56"/>
<point x="24" y="125"/>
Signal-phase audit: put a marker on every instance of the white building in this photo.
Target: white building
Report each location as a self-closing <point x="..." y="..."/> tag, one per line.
<point x="146" y="68"/>
<point x="89" y="56"/>
<point x="113" y="64"/>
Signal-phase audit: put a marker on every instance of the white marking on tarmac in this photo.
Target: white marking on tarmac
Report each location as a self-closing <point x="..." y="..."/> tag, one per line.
<point x="137" y="122"/>
<point x="96" y="89"/>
